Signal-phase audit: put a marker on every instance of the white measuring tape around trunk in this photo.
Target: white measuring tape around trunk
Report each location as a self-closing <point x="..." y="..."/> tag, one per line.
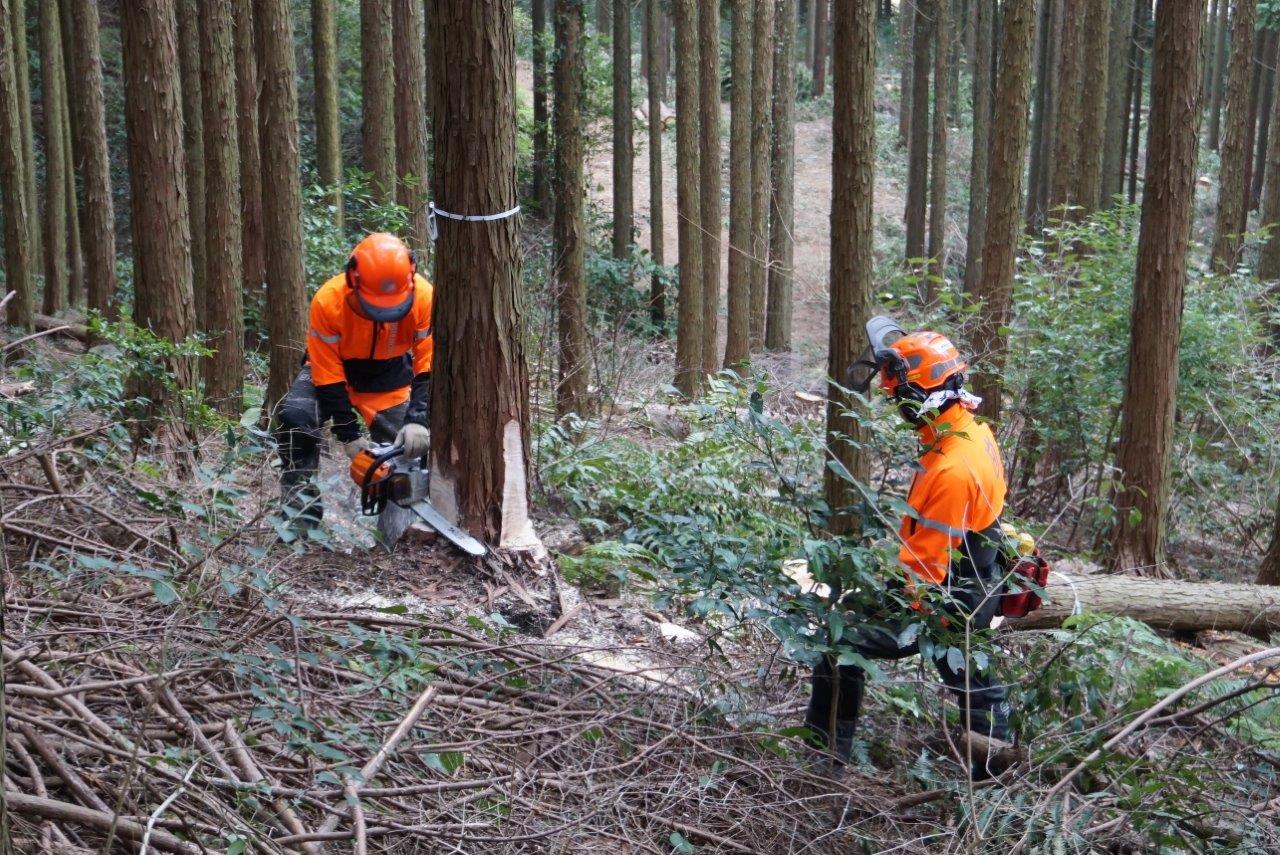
<point x="433" y="212"/>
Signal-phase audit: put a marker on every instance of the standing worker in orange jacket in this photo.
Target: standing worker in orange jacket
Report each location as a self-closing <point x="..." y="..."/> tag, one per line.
<point x="369" y="351"/>
<point x="949" y="541"/>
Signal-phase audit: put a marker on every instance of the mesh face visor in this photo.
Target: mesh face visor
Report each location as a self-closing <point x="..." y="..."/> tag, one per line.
<point x="879" y="356"/>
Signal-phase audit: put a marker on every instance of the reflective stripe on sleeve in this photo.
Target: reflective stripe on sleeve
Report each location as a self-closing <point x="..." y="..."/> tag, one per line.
<point x="327" y="339"/>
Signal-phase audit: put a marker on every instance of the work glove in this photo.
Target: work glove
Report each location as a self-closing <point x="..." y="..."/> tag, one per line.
<point x="415" y="439"/>
<point x="355" y="446"/>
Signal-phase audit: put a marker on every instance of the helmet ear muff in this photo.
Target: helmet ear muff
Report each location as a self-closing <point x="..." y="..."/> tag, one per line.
<point x="353" y="273"/>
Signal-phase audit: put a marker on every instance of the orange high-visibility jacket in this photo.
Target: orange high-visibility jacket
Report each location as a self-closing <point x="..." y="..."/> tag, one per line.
<point x="961" y="489"/>
<point x="376" y="361"/>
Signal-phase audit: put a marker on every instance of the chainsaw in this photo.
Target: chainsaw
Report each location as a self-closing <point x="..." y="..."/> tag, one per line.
<point x="394" y="488"/>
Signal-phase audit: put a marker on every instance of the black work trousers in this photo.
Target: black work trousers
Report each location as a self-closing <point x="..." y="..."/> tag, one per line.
<point x="298" y="439"/>
<point x="984" y="701"/>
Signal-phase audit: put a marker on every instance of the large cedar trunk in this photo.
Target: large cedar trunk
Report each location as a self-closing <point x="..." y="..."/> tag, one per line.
<point x="377" y="75"/>
<point x="852" y="245"/>
<point x="282" y="207"/>
<point x="324" y="58"/>
<point x="1117" y="101"/>
<point x="820" y="49"/>
<point x="761" y="130"/>
<point x="411" y="122"/>
<point x="709" y="157"/>
<point x="980" y="156"/>
<point x="1093" y="106"/>
<point x="98" y="214"/>
<point x="737" y="333"/>
<point x="193" y="143"/>
<point x="1269" y="571"/>
<point x="688" y="201"/>
<point x="57" y="275"/>
<point x="657" y="84"/>
<point x="480" y="441"/>
<point x="918" y="155"/>
<point x="163" y="297"/>
<point x="1229" y="228"/>
<point x="18" y="262"/>
<point x="777" y="330"/>
<point x="1163" y="604"/>
<point x="1151" y="383"/>
<point x="938" y="161"/>
<point x="569" y="251"/>
<point x="1217" y="84"/>
<point x="22" y="78"/>
<point x="1066" y="149"/>
<point x="248" y="85"/>
<point x="541" y="146"/>
<point x="624" y="132"/>
<point x="1004" y="199"/>
<point x="224" y="371"/>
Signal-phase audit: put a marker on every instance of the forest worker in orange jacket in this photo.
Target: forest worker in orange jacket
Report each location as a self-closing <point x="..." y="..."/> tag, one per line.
<point x="369" y="351"/>
<point x="949" y="541"/>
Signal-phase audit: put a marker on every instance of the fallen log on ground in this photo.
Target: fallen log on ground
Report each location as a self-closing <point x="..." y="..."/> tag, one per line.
<point x="1162" y="604"/>
<point x="78" y="331"/>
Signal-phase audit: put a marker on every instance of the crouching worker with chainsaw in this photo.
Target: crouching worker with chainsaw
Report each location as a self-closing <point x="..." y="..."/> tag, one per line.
<point x="951" y="540"/>
<point x="369" y="352"/>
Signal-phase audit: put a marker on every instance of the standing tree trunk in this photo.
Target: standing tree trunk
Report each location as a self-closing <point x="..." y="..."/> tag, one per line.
<point x="852" y="250"/>
<point x="820" y="49"/>
<point x="980" y="158"/>
<point x="657" y="83"/>
<point x="541" y="146"/>
<point x="624" y="132"/>
<point x="737" y="347"/>
<point x="377" y="76"/>
<point x="1066" y="149"/>
<point x="193" y="143"/>
<point x="1043" y="108"/>
<point x="1269" y="257"/>
<point x="1251" y="123"/>
<point x="157" y="176"/>
<point x="1269" y="572"/>
<point x="224" y="370"/>
<point x="411" y="120"/>
<point x="22" y="77"/>
<point x="247" y="88"/>
<point x="1093" y="106"/>
<point x="324" y="57"/>
<point x="282" y="207"/>
<point x="70" y="149"/>
<point x="1206" y="50"/>
<point x="918" y="156"/>
<point x="1219" y="74"/>
<point x="810" y="30"/>
<point x="1004" y="201"/>
<point x="1258" y="174"/>
<point x="98" y="213"/>
<point x="604" y="19"/>
<point x="710" y="204"/>
<point x="1228" y="233"/>
<point x="761" y="121"/>
<point x="53" y="95"/>
<point x="568" y="272"/>
<point x="1142" y="33"/>
<point x="906" y="23"/>
<point x="777" y="331"/>
<point x="480" y="441"/>
<point x="1117" y="102"/>
<point x="938" y="163"/>
<point x="688" y="202"/>
<point x="18" y="262"/>
<point x="1151" y="383"/>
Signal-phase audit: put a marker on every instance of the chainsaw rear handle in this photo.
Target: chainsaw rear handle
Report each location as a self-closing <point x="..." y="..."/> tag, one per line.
<point x="370" y="470"/>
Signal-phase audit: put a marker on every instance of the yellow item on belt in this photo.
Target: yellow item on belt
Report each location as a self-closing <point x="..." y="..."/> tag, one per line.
<point x="1025" y="543"/>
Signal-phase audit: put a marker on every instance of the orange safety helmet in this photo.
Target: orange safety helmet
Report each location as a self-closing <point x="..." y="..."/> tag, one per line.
<point x="380" y="274"/>
<point x="924" y="361"/>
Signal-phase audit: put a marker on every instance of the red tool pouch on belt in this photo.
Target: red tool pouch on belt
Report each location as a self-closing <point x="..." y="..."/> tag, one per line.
<point x="1019" y="600"/>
